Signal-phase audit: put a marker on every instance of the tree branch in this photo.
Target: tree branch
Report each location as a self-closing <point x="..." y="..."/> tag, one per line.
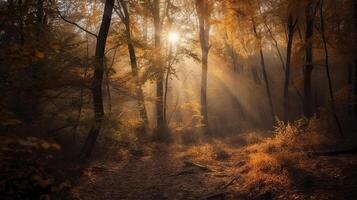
<point x="75" y="24"/>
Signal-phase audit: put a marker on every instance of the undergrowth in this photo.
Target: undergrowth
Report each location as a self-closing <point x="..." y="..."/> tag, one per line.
<point x="281" y="165"/>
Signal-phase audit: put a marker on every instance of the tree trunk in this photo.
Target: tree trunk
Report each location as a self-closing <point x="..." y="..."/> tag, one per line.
<point x="354" y="66"/>
<point x="39" y="18"/>
<point x="21" y="23"/>
<point x="291" y="30"/>
<point x="202" y="9"/>
<point x="39" y="11"/>
<point x="327" y="67"/>
<point x="98" y="79"/>
<point x="265" y="75"/>
<point x="167" y="78"/>
<point x="204" y="86"/>
<point x="81" y="94"/>
<point x="308" y="107"/>
<point x="282" y="59"/>
<point x="160" y="123"/>
<point x="134" y="68"/>
<point x="138" y="88"/>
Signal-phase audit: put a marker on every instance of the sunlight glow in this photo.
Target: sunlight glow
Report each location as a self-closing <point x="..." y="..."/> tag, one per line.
<point x="173" y="37"/>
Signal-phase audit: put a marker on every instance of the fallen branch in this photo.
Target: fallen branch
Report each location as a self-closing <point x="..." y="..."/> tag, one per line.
<point x="184" y="172"/>
<point x="221" y="192"/>
<point x="230" y="182"/>
<point x="202" y="167"/>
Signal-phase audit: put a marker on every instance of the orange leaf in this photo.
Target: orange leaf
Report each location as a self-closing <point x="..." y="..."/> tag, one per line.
<point x="39" y="55"/>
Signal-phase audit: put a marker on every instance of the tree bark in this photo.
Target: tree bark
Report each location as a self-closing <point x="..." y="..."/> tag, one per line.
<point x="160" y="123"/>
<point x="308" y="107"/>
<point x="327" y="67"/>
<point x="167" y="78"/>
<point x="98" y="79"/>
<point x="291" y="31"/>
<point x="204" y="87"/>
<point x="202" y="9"/>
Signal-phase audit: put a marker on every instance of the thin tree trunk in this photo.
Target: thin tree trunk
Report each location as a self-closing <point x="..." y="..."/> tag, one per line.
<point x="81" y="93"/>
<point x="308" y="107"/>
<point x="138" y="88"/>
<point x="40" y="11"/>
<point x="327" y="67"/>
<point x="291" y="30"/>
<point x="134" y="67"/>
<point x="167" y="85"/>
<point x="21" y="23"/>
<point x="107" y="82"/>
<point x="282" y="59"/>
<point x="230" y="49"/>
<point x="265" y="75"/>
<point x="204" y="87"/>
<point x="39" y="18"/>
<point x="354" y="70"/>
<point x="98" y="79"/>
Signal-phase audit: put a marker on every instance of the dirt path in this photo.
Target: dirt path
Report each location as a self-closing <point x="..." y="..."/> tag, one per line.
<point x="161" y="175"/>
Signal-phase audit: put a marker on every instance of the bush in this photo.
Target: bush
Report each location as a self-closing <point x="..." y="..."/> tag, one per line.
<point x="278" y="162"/>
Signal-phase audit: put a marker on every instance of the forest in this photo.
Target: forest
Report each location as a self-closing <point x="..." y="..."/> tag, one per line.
<point x="178" y="99"/>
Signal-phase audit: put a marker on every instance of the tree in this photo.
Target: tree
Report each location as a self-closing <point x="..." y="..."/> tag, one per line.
<point x="308" y="67"/>
<point x="160" y="123"/>
<point x="291" y="24"/>
<point x="98" y="79"/>
<point x="203" y="9"/>
<point x="281" y="22"/>
<point x="353" y="75"/>
<point x="262" y="62"/>
<point x="124" y="15"/>
<point x="327" y="67"/>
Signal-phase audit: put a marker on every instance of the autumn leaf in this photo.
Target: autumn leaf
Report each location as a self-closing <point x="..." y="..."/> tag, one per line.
<point x="39" y="55"/>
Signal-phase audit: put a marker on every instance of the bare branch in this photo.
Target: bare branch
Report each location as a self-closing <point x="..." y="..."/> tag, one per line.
<point x="75" y="24"/>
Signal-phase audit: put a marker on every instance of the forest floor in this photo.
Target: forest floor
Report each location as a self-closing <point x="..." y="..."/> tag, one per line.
<point x="215" y="170"/>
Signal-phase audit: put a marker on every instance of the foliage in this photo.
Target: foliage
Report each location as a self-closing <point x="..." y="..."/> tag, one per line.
<point x="27" y="170"/>
<point x="273" y="162"/>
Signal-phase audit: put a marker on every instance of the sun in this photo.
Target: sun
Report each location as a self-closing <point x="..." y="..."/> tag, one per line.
<point x="174" y="37"/>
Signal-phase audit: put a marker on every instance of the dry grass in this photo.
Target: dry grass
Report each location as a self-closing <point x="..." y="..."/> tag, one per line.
<point x="275" y="167"/>
<point x="279" y="166"/>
